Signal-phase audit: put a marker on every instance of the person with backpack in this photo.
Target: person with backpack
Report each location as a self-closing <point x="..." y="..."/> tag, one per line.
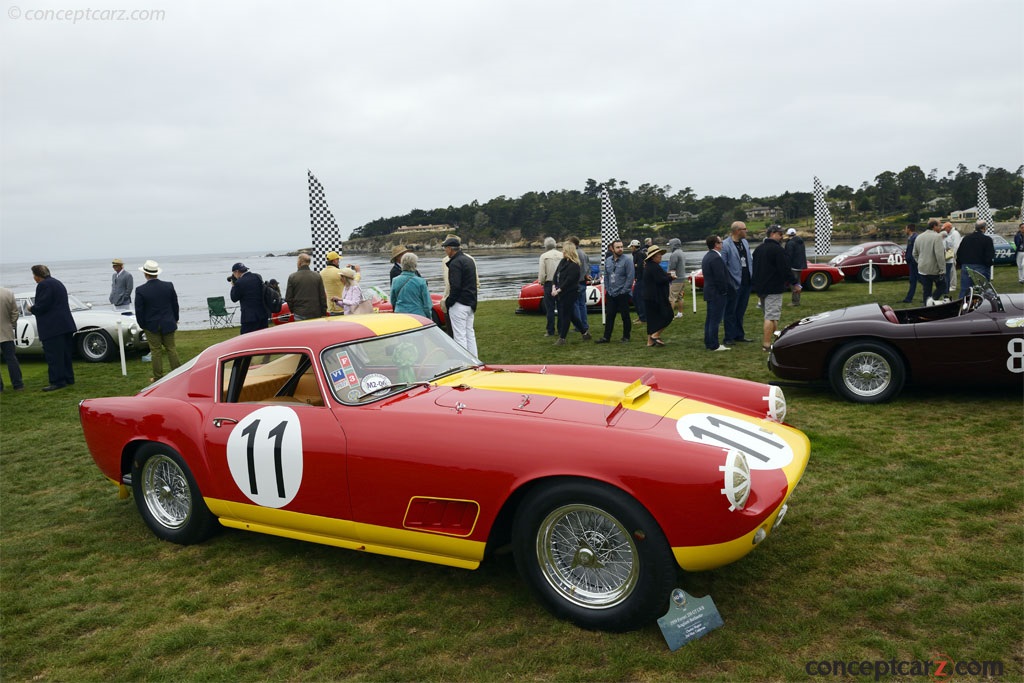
<point x="248" y="291"/>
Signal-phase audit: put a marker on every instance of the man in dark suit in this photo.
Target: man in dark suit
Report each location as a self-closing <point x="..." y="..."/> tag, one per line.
<point x="247" y="290"/>
<point x="716" y="292"/>
<point x="156" y="309"/>
<point x="56" y="327"/>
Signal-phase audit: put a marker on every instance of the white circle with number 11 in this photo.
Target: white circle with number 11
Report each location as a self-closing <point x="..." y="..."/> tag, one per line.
<point x="265" y="456"/>
<point x="765" y="450"/>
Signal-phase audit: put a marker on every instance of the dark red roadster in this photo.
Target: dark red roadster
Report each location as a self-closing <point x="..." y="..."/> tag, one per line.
<point x="868" y="352"/>
<point x="378" y="433"/>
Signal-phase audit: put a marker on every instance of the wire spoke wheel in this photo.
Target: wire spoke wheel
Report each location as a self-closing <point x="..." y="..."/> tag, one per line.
<point x="166" y="492"/>
<point x="587" y="556"/>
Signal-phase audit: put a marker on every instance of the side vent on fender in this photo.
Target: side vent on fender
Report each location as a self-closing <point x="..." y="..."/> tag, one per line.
<point x="442" y="516"/>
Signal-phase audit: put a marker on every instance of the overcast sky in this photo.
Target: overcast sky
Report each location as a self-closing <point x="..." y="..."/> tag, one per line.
<point x="191" y="132"/>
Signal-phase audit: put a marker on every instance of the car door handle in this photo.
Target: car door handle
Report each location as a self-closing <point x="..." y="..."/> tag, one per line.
<point x="218" y="421"/>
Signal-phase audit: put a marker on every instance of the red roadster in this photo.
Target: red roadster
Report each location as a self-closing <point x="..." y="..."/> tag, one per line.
<point x="379" y="433"/>
<point x="816" y="277"/>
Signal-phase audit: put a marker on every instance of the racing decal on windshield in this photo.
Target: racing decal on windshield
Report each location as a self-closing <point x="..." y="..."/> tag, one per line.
<point x="373" y="382"/>
<point x="265" y="456"/>
<point x="765" y="450"/>
<point x="345" y="375"/>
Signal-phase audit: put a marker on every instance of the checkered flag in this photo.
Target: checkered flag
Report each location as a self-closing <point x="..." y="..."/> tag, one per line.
<point x="324" y="230"/>
<point x="984" y="213"/>
<point x="609" y="228"/>
<point x="822" y="221"/>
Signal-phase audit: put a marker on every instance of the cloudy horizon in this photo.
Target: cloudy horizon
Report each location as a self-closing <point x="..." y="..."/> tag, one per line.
<point x="189" y="127"/>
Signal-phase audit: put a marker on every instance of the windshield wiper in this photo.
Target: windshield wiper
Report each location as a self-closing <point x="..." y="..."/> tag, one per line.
<point x="401" y="386"/>
<point x="452" y="371"/>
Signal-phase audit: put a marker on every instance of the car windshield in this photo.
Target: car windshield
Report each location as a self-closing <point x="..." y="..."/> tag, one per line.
<point x="983" y="286"/>
<point x="76" y="304"/>
<point x="852" y="251"/>
<point x="371" y="369"/>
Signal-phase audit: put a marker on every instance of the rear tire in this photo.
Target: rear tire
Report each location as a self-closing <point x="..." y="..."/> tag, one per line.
<point x="168" y="498"/>
<point x="95" y="346"/>
<point x="593" y="555"/>
<point x="867" y="372"/>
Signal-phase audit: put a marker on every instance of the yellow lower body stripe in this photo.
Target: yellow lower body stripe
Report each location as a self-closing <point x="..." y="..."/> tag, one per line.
<point x="411" y="545"/>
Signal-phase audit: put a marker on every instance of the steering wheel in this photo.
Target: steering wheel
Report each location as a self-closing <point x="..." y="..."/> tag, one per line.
<point x="971" y="302"/>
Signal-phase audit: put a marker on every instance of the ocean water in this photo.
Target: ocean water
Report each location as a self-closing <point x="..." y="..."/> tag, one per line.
<point x="502" y="273"/>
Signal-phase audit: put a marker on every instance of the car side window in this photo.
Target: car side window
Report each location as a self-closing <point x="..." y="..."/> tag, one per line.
<point x="270" y="378"/>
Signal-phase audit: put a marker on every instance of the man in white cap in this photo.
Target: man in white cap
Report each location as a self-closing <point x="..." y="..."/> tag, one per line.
<point x="796" y="254"/>
<point x="156" y="309"/>
<point x="121" y="284"/>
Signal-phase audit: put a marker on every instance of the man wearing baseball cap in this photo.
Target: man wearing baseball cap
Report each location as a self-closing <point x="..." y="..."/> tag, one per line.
<point x="247" y="290"/>
<point x="770" y="277"/>
<point x="121" y="285"/>
<point x="331" y="275"/>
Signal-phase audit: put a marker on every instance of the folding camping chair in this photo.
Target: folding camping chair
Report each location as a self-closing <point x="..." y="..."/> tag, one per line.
<point x="220" y="316"/>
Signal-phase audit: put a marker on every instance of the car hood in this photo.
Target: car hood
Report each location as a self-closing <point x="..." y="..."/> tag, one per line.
<point x="557" y="397"/>
<point x="822" y="321"/>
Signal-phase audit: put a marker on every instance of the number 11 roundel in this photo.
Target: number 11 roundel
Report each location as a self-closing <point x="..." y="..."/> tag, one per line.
<point x="265" y="456"/>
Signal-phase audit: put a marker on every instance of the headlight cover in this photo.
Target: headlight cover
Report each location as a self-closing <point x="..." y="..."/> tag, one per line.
<point x="736" y="480"/>
<point x="776" y="404"/>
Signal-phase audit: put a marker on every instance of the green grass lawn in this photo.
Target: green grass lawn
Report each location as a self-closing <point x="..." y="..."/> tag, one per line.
<point x="904" y="541"/>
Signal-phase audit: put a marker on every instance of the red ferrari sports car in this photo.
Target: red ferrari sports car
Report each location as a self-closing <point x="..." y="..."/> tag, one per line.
<point x="379" y="433"/>
<point x="816" y="277"/>
<point x="873" y="260"/>
<point x="531" y="297"/>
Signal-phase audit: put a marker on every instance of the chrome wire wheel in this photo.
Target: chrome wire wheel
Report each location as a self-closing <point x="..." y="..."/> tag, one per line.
<point x="587" y="556"/>
<point x="867" y="373"/>
<point x="166" y="492"/>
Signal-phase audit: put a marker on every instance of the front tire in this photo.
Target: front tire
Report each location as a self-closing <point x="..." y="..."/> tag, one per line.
<point x="95" y="346"/>
<point x="168" y="498"/>
<point x="593" y="555"/>
<point x="819" y="282"/>
<point x="867" y="372"/>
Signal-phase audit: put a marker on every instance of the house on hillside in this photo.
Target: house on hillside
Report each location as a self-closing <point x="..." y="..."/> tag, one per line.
<point x="423" y="228"/>
<point x="970" y="214"/>
<point x="757" y="212"/>
<point x="682" y="216"/>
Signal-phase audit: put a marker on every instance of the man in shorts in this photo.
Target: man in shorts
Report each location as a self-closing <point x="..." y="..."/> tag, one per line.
<point x="772" y="276"/>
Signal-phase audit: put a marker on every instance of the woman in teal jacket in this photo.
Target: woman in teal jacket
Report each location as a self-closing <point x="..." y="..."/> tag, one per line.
<point x="409" y="292"/>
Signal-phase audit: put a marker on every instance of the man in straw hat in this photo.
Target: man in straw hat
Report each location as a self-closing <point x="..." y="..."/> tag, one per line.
<point x="397" y="252"/>
<point x="121" y="284"/>
<point x="156" y="309"/>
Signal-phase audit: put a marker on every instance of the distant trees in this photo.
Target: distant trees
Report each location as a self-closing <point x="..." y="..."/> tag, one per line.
<point x="563" y="212"/>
